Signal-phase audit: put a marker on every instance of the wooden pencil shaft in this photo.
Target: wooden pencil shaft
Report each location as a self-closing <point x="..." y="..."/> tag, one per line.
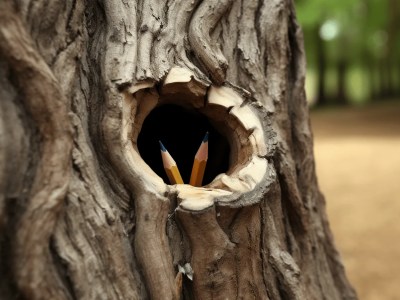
<point x="196" y="178"/>
<point x="200" y="162"/>
<point x="170" y="167"/>
<point x="173" y="175"/>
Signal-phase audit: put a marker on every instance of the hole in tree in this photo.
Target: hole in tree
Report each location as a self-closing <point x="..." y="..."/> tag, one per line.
<point x="181" y="130"/>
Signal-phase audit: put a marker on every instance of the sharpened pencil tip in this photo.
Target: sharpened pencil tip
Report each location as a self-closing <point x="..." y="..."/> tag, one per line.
<point x="205" y="139"/>
<point x="162" y="147"/>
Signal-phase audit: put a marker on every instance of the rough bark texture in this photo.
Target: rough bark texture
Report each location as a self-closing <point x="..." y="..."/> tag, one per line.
<point x="76" y="220"/>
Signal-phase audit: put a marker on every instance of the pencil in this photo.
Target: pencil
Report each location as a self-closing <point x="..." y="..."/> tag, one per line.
<point x="199" y="164"/>
<point x="170" y="166"/>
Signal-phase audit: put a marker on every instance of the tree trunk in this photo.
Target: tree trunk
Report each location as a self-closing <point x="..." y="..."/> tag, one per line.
<point x="341" y="81"/>
<point x="370" y="67"/>
<point x="322" y="98"/>
<point x="383" y="79"/>
<point x="83" y="216"/>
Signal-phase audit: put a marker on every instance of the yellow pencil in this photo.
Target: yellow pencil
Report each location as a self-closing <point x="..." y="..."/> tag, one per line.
<point x="170" y="166"/>
<point x="199" y="164"/>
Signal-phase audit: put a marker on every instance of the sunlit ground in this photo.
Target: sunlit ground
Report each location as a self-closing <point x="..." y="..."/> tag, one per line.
<point x="357" y="153"/>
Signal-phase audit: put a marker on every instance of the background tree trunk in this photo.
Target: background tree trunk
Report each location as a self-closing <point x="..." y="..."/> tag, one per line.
<point x="341" y="67"/>
<point x="321" y="62"/>
<point x="76" y="222"/>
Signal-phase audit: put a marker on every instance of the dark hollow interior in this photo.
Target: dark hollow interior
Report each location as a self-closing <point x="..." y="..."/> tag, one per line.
<point x="181" y="131"/>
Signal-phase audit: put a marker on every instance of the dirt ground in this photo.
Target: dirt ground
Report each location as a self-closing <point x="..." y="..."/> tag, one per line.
<point x="357" y="153"/>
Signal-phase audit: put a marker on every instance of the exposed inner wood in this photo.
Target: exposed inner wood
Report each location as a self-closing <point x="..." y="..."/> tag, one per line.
<point x="227" y="109"/>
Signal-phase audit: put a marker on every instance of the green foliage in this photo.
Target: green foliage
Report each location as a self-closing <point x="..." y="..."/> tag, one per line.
<point x="361" y="24"/>
<point x="363" y="33"/>
<point x="312" y="13"/>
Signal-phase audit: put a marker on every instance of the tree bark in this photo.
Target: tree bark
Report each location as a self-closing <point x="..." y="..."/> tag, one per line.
<point x="82" y="216"/>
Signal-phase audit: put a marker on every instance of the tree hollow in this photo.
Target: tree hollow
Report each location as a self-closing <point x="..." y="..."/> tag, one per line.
<point x="181" y="130"/>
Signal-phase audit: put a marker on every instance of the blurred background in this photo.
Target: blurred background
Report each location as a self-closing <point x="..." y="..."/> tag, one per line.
<point x="353" y="88"/>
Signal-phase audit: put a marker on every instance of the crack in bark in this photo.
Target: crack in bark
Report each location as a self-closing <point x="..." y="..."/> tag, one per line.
<point x="70" y="44"/>
<point x="61" y="265"/>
